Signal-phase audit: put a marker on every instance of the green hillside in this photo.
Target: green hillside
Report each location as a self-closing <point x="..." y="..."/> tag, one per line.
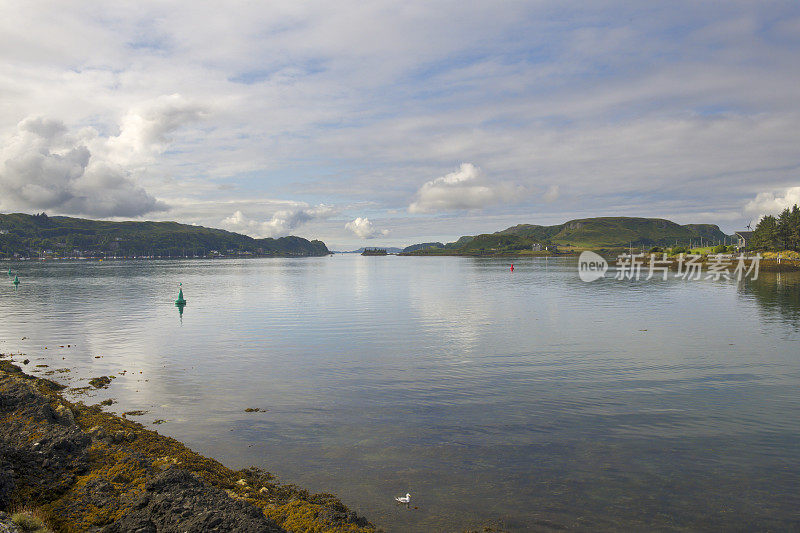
<point x="40" y="235"/>
<point x="532" y="231"/>
<point x="422" y="246"/>
<point x="709" y="232"/>
<point x="624" y="231"/>
<point x="599" y="232"/>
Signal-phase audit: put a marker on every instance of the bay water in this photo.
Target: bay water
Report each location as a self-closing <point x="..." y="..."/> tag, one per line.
<point x="524" y="400"/>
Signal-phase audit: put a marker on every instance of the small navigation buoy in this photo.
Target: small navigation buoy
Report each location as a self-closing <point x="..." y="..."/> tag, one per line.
<point x="512" y="267"/>
<point x="16" y="280"/>
<point x="180" y="302"/>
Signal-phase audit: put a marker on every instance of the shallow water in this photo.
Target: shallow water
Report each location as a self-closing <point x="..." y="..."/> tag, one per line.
<point x="526" y="400"/>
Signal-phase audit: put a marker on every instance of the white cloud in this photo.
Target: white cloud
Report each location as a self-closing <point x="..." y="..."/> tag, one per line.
<point x="466" y="188"/>
<point x="281" y="223"/>
<point x="44" y="167"/>
<point x="364" y="229"/>
<point x="770" y="203"/>
<point x="145" y="130"/>
<point x="346" y="103"/>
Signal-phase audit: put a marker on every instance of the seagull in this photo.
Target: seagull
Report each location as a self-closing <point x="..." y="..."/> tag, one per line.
<point x="404" y="499"/>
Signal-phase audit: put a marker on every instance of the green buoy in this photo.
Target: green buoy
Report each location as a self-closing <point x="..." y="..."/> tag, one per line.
<point x="180" y="302"/>
<point x="10" y="273"/>
<point x="16" y="280"/>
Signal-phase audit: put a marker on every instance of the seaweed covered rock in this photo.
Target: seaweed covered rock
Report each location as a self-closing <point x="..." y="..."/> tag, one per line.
<point x="176" y="501"/>
<point x="7" y="525"/>
<point x="84" y="469"/>
<point x="42" y="448"/>
<point x="6" y="481"/>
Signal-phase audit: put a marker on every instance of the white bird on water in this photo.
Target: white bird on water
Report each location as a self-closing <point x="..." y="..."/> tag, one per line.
<point x="404" y="499"/>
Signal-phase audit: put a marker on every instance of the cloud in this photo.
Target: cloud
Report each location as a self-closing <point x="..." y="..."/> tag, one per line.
<point x="43" y="166"/>
<point x="281" y="223"/>
<point x="649" y="111"/>
<point x="552" y="194"/>
<point x="364" y="229"/>
<point x="770" y="203"/>
<point x="145" y="130"/>
<point x="466" y="188"/>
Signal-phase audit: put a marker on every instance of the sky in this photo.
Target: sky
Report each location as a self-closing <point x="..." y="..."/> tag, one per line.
<point x="392" y="123"/>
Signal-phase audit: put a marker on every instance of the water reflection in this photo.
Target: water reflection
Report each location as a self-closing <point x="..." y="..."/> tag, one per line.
<point x="180" y="302"/>
<point x="527" y="400"/>
<point x="778" y="295"/>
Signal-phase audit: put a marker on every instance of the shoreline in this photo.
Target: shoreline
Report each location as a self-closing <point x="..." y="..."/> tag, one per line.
<point x="84" y="469"/>
<point x="766" y="264"/>
<point x="149" y="258"/>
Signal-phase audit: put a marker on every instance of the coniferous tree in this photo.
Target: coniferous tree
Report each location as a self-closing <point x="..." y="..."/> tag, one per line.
<point x="765" y="236"/>
<point x="794" y="229"/>
<point x="784" y="229"/>
<point x="778" y="233"/>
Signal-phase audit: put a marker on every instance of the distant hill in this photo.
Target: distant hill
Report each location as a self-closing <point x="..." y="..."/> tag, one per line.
<point x="42" y="235"/>
<point x="600" y="232"/>
<point x="622" y="231"/>
<point x="422" y="246"/>
<point x="709" y="232"/>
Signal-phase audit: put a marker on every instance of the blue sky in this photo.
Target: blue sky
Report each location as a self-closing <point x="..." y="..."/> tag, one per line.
<point x="393" y="123"/>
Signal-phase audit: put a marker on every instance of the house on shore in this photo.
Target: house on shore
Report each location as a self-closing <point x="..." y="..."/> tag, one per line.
<point x="743" y="239"/>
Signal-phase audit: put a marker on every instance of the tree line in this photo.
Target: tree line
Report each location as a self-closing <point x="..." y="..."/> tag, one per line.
<point x="778" y="233"/>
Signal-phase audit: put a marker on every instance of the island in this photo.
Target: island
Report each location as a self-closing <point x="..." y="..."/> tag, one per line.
<point x="41" y="236"/>
<point x="374" y="251"/>
<point x="598" y="233"/>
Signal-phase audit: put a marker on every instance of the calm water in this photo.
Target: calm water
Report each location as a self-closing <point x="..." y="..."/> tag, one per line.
<point x="526" y="400"/>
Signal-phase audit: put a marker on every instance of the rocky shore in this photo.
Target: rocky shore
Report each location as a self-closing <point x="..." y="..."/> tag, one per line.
<point x="82" y="469"/>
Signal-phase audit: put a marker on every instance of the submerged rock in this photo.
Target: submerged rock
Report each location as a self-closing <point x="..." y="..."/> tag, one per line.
<point x="101" y="382"/>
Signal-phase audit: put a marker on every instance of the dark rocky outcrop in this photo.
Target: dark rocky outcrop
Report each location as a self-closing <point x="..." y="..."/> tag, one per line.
<point x="41" y="448"/>
<point x="176" y="501"/>
<point x="6" y="482"/>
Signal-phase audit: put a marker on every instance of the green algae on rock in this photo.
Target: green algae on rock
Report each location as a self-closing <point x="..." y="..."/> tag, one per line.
<point x="101" y="382"/>
<point x="87" y="470"/>
<point x="134" y="413"/>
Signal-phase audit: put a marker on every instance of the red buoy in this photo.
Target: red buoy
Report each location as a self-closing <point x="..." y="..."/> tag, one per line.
<point x="512" y="267"/>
